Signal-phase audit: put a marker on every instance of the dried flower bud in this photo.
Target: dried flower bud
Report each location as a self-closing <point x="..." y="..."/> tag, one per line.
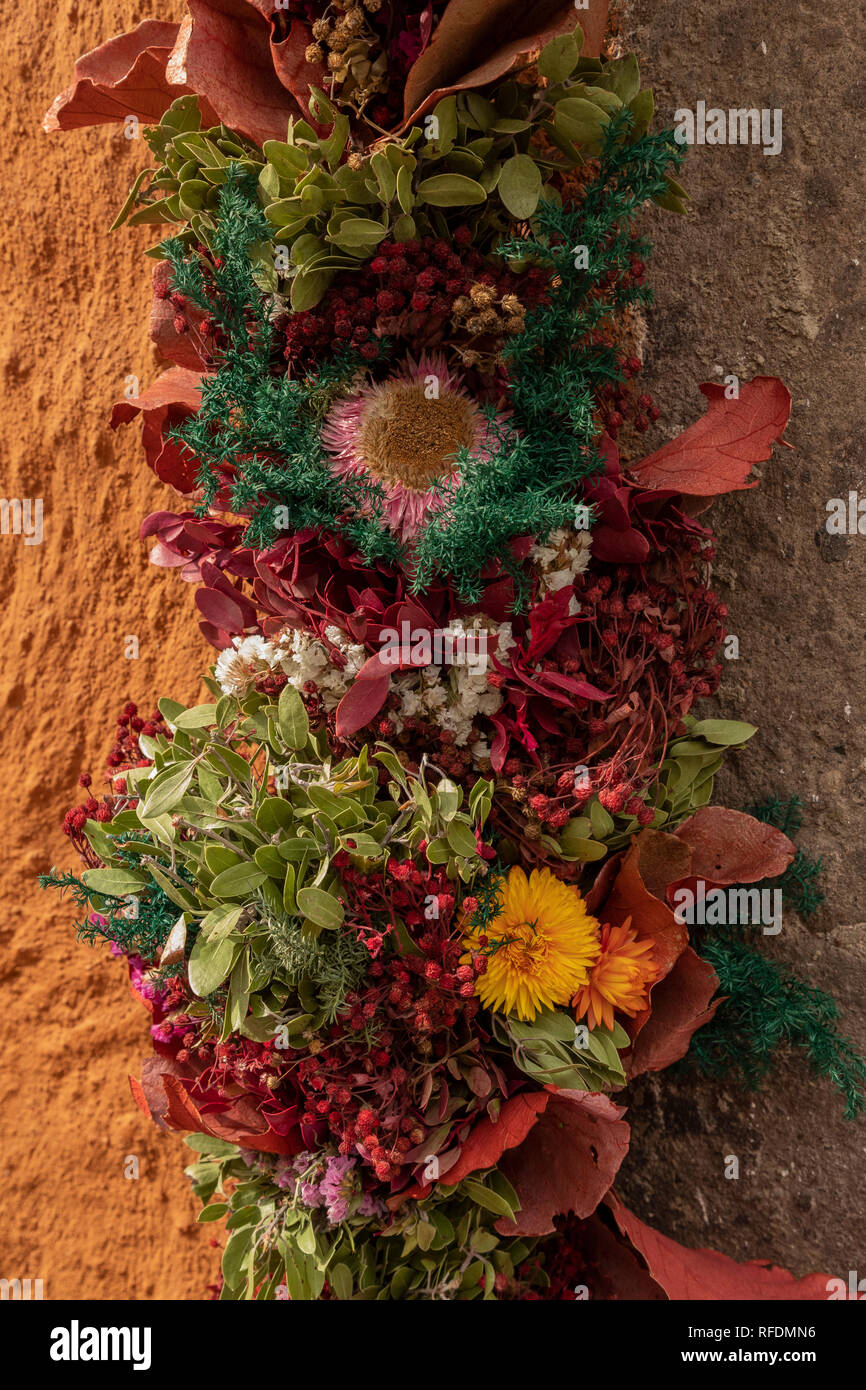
<point x="512" y="305"/>
<point x="315" y="53"/>
<point x="353" y="21"/>
<point x="372" y="6"/>
<point x="355" y="160"/>
<point x="461" y="306"/>
<point x="515" y="325"/>
<point x="481" y="296"/>
<point x="321" y="29"/>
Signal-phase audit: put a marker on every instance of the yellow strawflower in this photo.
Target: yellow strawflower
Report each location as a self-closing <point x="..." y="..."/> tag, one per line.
<point x="539" y="948"/>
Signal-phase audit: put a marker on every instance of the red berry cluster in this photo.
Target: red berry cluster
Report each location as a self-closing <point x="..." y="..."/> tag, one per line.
<point x="650" y="642"/>
<point x="125" y="753"/>
<point x="406" y="291"/>
<point x="364" y="1087"/>
<point x="621" y="403"/>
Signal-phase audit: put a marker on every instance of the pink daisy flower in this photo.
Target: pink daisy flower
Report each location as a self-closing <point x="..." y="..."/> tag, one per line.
<point x="404" y="433"/>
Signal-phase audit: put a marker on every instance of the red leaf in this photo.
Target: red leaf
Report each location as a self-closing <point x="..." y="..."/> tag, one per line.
<point x="488" y="1140"/>
<point x="291" y="66"/>
<point x="630" y="895"/>
<point x="183" y="349"/>
<point x="716" y="453"/>
<point x="477" y="41"/>
<point x="705" y="1275"/>
<point x="731" y="847"/>
<point x="167" y="401"/>
<point x="220" y="609"/>
<point x="164" y="1094"/>
<point x="362" y="702"/>
<point x="123" y="77"/>
<point x="680" y="1005"/>
<point x="223" y="52"/>
<point x="567" y="1161"/>
<point x="177" y="386"/>
<point x="612" y="1271"/>
<point x="617" y="547"/>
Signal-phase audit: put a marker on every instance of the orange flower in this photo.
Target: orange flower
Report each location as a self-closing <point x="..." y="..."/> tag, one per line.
<point x="619" y="979"/>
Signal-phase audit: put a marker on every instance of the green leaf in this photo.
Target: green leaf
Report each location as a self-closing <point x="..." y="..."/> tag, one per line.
<point x="322" y="908"/>
<point x="360" y="233"/>
<point x="404" y="228"/>
<point x="385" y="176"/>
<point x="438" y="851"/>
<point x="588" y="851"/>
<point x="405" y="192"/>
<point x="445" y="113"/>
<point x="235" y="1256"/>
<point x="608" y="101"/>
<point x="114" y="883"/>
<point x="448" y="797"/>
<point x="519" y="186"/>
<point x="289" y="900"/>
<point x="268" y="858"/>
<point x="308" y="288"/>
<point x="642" y="108"/>
<point x="491" y="1201"/>
<point x="461" y="838"/>
<point x="482" y="112"/>
<point x="169" y="709"/>
<point x="451" y="191"/>
<point x="340" y="1280"/>
<point x="622" y="77"/>
<point x="723" y="731"/>
<point x="209" y="1144"/>
<point x="364" y="845"/>
<point x="214" y="1212"/>
<point x="210" y="963"/>
<point x="200" y="717"/>
<point x="179" y="893"/>
<point x="581" y="121"/>
<point x="293" y="720"/>
<point x="166" y="790"/>
<point x="219" y="923"/>
<point x="558" y="59"/>
<point x="673" y="199"/>
<point x="287" y="160"/>
<point x="130" y="200"/>
<point x="602" y="820"/>
<point x="238" y="881"/>
<point x="275" y="813"/>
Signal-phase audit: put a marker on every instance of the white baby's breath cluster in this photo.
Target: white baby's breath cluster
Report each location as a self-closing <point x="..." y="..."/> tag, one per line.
<point x="449" y="696"/>
<point x="452" y="696"/>
<point x="563" y="556"/>
<point x="300" y="656"/>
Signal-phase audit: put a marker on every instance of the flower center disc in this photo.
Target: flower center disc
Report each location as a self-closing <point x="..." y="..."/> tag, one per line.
<point x="526" y="951"/>
<point x="409" y="438"/>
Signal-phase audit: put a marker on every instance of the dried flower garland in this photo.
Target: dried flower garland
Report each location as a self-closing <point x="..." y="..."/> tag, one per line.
<point x="401" y="900"/>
